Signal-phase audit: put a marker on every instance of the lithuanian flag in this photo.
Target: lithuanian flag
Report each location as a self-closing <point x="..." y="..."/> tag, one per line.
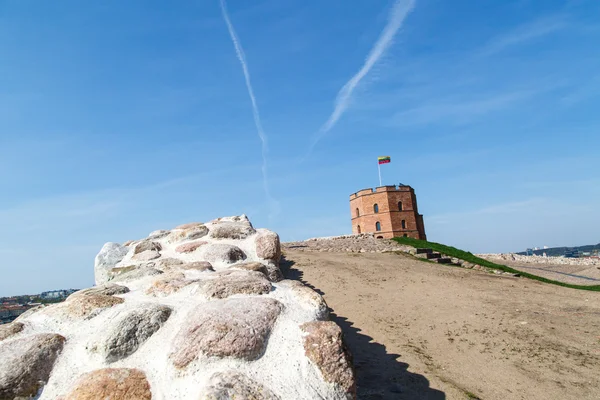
<point x="384" y="159"/>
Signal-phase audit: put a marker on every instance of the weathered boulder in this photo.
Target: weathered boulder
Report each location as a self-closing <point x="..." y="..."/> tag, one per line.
<point x="268" y="246"/>
<point x="7" y="330"/>
<point x="189" y="232"/>
<point x="168" y="284"/>
<point x="252" y="266"/>
<point x="228" y="283"/>
<point x="109" y="289"/>
<point x="225" y="253"/>
<point x="273" y="272"/>
<point x="196" y="232"/>
<point x="190" y="247"/>
<point x="190" y="225"/>
<point x="166" y="264"/>
<point x="122" y="269"/>
<point x="27" y="363"/>
<point x="238" y="328"/>
<point x="231" y="230"/>
<point x="146" y="255"/>
<point x="146" y="245"/>
<point x="236" y="218"/>
<point x="197" y="266"/>
<point x="233" y="385"/>
<point x="82" y="307"/>
<point x="158" y="234"/>
<point x="307" y="298"/>
<point x="131" y="330"/>
<point x="112" y="384"/>
<point x="133" y="272"/>
<point x="324" y="346"/>
<point x="110" y="255"/>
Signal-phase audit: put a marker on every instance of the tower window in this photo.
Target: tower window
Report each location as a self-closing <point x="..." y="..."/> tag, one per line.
<point x="377" y="226"/>
<point x="399" y="206"/>
<point x="403" y="224"/>
<point x="358" y="228"/>
<point x="375" y="208"/>
<point x="357" y="213"/>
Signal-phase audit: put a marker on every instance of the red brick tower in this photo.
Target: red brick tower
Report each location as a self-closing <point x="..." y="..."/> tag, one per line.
<point x="387" y="211"/>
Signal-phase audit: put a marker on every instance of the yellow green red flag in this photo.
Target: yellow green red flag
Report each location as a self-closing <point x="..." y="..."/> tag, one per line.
<point x="384" y="159"/>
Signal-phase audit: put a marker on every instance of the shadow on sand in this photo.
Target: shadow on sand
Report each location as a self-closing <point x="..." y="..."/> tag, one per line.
<point x="380" y="376"/>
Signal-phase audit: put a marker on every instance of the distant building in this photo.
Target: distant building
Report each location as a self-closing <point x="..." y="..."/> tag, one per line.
<point x="572" y="253"/>
<point x="387" y="211"/>
<point x="9" y="313"/>
<point x="56" y="294"/>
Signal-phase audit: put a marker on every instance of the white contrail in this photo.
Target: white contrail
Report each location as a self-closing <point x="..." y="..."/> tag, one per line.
<point x="400" y="10"/>
<point x="261" y="133"/>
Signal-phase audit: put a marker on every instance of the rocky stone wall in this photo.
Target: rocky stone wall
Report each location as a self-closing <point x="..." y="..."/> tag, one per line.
<point x="363" y="243"/>
<point x="196" y="312"/>
<point x="535" y="259"/>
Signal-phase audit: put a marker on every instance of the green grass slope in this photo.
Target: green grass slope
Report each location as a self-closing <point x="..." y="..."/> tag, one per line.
<point x="467" y="256"/>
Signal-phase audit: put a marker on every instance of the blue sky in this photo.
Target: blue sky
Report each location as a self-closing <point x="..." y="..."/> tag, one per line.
<point x="119" y="118"/>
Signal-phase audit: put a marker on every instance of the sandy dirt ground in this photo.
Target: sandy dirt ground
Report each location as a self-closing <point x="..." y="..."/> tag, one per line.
<point x="568" y="273"/>
<point x="419" y="330"/>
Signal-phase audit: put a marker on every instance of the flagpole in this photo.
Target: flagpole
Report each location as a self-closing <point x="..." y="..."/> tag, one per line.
<point x="379" y="169"/>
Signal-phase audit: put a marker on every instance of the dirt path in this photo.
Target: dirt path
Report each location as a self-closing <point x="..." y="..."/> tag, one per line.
<point x="424" y="331"/>
<point x="577" y="271"/>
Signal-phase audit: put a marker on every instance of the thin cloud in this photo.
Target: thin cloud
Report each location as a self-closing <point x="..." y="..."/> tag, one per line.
<point x="400" y="10"/>
<point x="456" y="110"/>
<point x="585" y="91"/>
<point x="67" y="210"/>
<point x="525" y="33"/>
<point x="510" y="208"/>
<point x="261" y="133"/>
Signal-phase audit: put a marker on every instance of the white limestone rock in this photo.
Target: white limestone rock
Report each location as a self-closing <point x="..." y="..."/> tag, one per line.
<point x="196" y="312"/>
<point x="110" y="255"/>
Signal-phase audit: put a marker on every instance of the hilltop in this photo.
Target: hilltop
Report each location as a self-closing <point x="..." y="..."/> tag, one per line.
<point x="420" y="330"/>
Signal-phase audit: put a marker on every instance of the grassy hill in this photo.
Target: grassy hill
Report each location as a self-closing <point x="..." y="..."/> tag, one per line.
<point x="467" y="256"/>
